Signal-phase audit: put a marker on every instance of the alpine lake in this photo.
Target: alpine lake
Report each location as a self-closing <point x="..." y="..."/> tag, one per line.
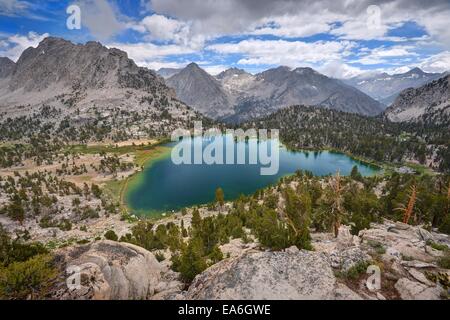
<point x="165" y="186"/>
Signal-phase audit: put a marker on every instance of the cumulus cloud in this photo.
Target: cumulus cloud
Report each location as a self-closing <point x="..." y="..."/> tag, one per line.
<point x="196" y="24"/>
<point x="167" y="28"/>
<point x="13" y="46"/>
<point x="437" y="63"/>
<point x="340" y="70"/>
<point x="101" y="18"/>
<point x="292" y="27"/>
<point x="145" y="51"/>
<point x="161" y="28"/>
<point x="282" y="52"/>
<point x="355" y="20"/>
<point x="159" y="64"/>
<point x="385" y="54"/>
<point x="152" y="56"/>
<point x="214" y="69"/>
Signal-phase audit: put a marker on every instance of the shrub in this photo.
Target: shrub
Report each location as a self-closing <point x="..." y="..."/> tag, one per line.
<point x="29" y="279"/>
<point x="216" y="255"/>
<point x="191" y="262"/>
<point x="437" y="246"/>
<point x="377" y="246"/>
<point x="65" y="225"/>
<point x="354" y="272"/>
<point x="96" y="191"/>
<point x="111" y="235"/>
<point x="160" y="256"/>
<point x="445" y="226"/>
<point x="17" y="251"/>
<point x="444" y="262"/>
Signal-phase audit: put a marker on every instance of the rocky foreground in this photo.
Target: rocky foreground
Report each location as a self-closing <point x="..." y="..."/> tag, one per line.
<point x="409" y="258"/>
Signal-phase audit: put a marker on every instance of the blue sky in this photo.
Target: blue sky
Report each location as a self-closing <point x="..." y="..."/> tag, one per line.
<point x="338" y="38"/>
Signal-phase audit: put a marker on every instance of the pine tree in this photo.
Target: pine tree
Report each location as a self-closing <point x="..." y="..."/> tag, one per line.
<point x="196" y="219"/>
<point x="192" y="261"/>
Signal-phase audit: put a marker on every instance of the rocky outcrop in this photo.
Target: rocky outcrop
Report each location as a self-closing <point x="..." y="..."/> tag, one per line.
<point x="344" y="260"/>
<point x="402" y="241"/>
<point x="409" y="258"/>
<point x="108" y="270"/>
<point x="292" y="274"/>
<point x="407" y="262"/>
<point x="413" y="290"/>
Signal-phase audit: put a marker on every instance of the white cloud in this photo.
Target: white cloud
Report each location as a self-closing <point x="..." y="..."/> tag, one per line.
<point x="161" y="28"/>
<point x="340" y="70"/>
<point x="383" y="54"/>
<point x="398" y="70"/>
<point x="13" y="46"/>
<point x="13" y="7"/>
<point x="291" y="26"/>
<point x="158" y="64"/>
<point x="144" y="51"/>
<point x="281" y="52"/>
<point x="436" y="22"/>
<point x="214" y="69"/>
<point x="20" y="8"/>
<point x="437" y="63"/>
<point x="186" y="26"/>
<point x="101" y="18"/>
<point x="152" y="56"/>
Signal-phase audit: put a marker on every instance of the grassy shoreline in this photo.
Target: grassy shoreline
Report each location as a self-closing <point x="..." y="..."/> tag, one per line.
<point x="144" y="156"/>
<point x="136" y="179"/>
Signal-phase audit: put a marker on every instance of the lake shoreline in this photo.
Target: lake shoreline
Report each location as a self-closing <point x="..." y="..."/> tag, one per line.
<point x="137" y="179"/>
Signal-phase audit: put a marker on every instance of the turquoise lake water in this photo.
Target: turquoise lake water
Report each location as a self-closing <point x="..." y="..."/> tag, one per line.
<point x="164" y="186"/>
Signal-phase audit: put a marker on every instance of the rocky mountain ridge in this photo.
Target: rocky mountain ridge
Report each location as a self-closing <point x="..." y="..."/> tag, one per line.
<point x="195" y="87"/>
<point x="414" y="104"/>
<point x="235" y="95"/>
<point x="86" y="82"/>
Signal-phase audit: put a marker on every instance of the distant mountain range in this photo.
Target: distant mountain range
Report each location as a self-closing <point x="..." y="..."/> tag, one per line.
<point x="428" y="102"/>
<point x="92" y="79"/>
<point x="235" y="95"/>
<point x="385" y="88"/>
